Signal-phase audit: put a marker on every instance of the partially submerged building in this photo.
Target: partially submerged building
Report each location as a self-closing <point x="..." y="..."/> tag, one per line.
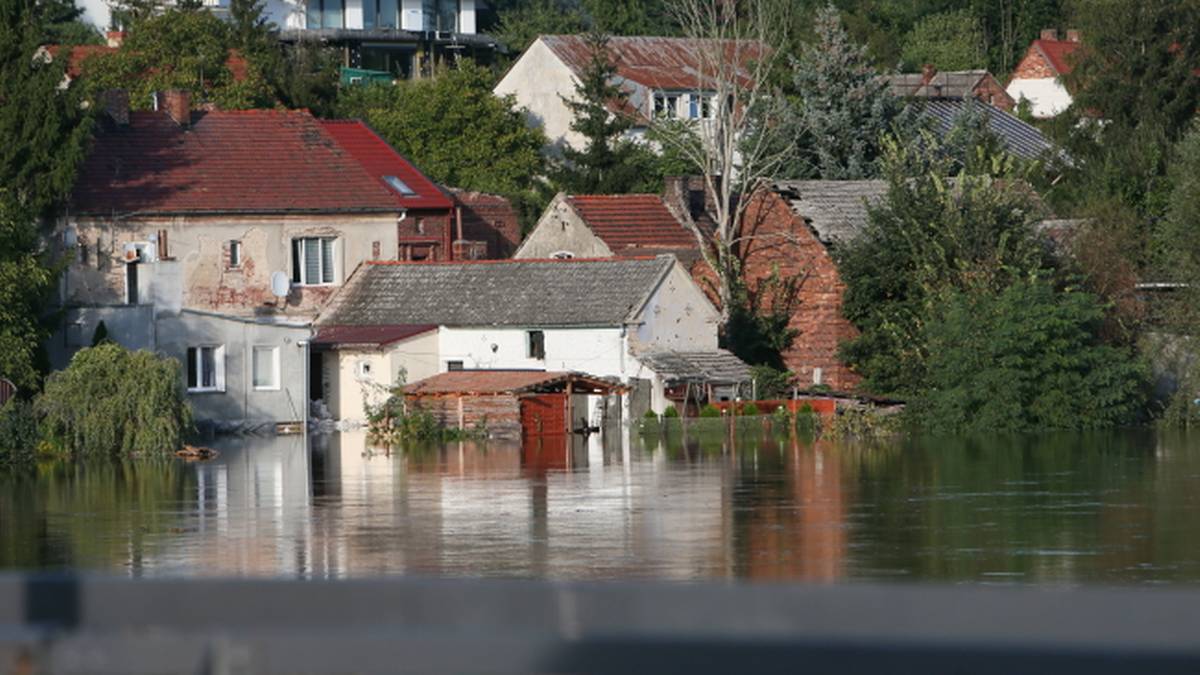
<point x="600" y="317"/>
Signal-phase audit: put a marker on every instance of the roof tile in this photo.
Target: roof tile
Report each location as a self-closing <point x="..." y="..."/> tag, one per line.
<point x="381" y="159"/>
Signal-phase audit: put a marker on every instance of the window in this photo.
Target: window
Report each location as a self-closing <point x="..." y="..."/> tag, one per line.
<point x="441" y="15"/>
<point x="312" y="261"/>
<point x="325" y="14"/>
<point x="666" y="105"/>
<point x="537" y="344"/>
<point x="266" y="368"/>
<point x="399" y="186"/>
<point x="454" y="365"/>
<point x="235" y="253"/>
<point x="206" y="368"/>
<point x="131" y="283"/>
<point x="699" y="106"/>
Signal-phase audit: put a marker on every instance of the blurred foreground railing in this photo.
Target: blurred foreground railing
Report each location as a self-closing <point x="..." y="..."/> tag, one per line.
<point x="103" y="625"/>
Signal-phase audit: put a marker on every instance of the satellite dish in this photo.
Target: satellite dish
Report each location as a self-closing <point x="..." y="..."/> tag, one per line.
<point x="281" y="285"/>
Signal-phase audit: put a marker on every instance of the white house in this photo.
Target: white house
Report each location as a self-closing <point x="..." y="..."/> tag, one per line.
<point x="1038" y="77"/>
<point x="642" y="321"/>
<point x="660" y="76"/>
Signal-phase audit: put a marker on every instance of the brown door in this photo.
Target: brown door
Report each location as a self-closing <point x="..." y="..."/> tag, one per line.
<point x="544" y="414"/>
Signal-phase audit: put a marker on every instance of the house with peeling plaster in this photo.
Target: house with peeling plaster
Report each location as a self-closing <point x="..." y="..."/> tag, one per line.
<point x="606" y="318"/>
<point x="216" y="237"/>
<point x="660" y="76"/>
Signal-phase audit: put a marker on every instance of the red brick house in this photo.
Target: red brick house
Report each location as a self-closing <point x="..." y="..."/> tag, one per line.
<point x="789" y="232"/>
<point x="1038" y="76"/>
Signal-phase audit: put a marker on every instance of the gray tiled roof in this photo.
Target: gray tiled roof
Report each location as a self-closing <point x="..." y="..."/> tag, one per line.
<point x="952" y="84"/>
<point x="712" y="367"/>
<point x="835" y="209"/>
<point x="498" y="293"/>
<point x="1021" y="139"/>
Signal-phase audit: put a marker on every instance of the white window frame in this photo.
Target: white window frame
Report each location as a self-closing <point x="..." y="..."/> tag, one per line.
<point x="300" y="260"/>
<point x="218" y="368"/>
<point x="274" y="356"/>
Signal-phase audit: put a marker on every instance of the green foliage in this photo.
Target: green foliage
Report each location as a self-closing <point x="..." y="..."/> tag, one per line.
<point x="521" y="21"/>
<point x="609" y="163"/>
<point x="842" y="107"/>
<point x="304" y="74"/>
<point x="521" y="24"/>
<point x="771" y="383"/>
<point x="759" y="336"/>
<point x="709" y="411"/>
<point x="650" y="416"/>
<point x="1025" y="358"/>
<point x="1177" y="239"/>
<point x="113" y="402"/>
<point x="181" y="49"/>
<point x="929" y="234"/>
<point x="18" y="434"/>
<point x="454" y="129"/>
<point x="671" y="411"/>
<point x="750" y="409"/>
<point x="25" y="283"/>
<point x="948" y="40"/>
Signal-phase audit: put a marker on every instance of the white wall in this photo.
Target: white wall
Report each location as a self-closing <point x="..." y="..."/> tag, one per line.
<point x="538" y="80"/>
<point x="1047" y="95"/>
<point x="560" y="229"/>
<point x="677" y="317"/>
<point x="96" y="12"/>
<point x="416" y="358"/>
<point x="595" y="351"/>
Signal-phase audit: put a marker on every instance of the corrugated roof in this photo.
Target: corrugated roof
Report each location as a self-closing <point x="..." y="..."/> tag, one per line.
<point x="668" y="63"/>
<point x="526" y="293"/>
<point x="499" y="382"/>
<point x="254" y="161"/>
<point x="1021" y="139"/>
<point x="712" y="367"/>
<point x="630" y="223"/>
<point x="1058" y="53"/>
<point x="368" y="335"/>
<point x="837" y="210"/>
<point x="381" y="159"/>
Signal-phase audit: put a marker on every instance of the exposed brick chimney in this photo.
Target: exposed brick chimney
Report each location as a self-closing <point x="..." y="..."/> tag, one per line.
<point x="1072" y="36"/>
<point x="177" y="104"/>
<point x="928" y="72"/>
<point x="114" y="38"/>
<point x="1049" y="34"/>
<point x="115" y="103"/>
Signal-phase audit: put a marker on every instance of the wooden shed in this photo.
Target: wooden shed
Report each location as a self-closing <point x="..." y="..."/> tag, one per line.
<point x="509" y="403"/>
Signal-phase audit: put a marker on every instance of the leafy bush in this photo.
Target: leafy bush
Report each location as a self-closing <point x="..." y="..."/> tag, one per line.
<point x="114" y="402"/>
<point x="710" y="410"/>
<point x="18" y="433"/>
<point x="751" y="409"/>
<point x="771" y="382"/>
<point x="671" y="411"/>
<point x="650" y="416"/>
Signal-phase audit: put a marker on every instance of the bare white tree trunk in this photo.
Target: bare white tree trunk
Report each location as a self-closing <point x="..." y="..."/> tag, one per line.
<point x="735" y="45"/>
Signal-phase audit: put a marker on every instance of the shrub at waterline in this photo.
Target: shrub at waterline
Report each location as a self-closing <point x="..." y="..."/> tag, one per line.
<point x="114" y="402"/>
<point x="18" y="433"/>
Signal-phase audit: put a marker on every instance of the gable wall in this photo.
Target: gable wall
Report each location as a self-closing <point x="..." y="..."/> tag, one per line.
<point x="561" y="229"/>
<point x="538" y="80"/>
<point x="677" y="317"/>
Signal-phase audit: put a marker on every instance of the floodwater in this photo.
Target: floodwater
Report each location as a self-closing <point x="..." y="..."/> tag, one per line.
<point x="1105" y="508"/>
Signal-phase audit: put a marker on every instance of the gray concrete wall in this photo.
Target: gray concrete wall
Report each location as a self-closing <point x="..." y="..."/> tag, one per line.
<point x="131" y="326"/>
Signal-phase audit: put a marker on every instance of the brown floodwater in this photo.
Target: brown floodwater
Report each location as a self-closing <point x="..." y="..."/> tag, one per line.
<point x="1114" y="507"/>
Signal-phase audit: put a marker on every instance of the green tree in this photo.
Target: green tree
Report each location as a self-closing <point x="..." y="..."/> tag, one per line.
<point x="522" y="23"/>
<point x="454" y="129"/>
<point x="843" y="108"/>
<point x="609" y="163"/>
<point x="949" y="40"/>
<point x="113" y="402"/>
<point x="1024" y="358"/>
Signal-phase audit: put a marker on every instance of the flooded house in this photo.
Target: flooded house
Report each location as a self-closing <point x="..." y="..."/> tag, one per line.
<point x="216" y="237"/>
<point x="603" y="318"/>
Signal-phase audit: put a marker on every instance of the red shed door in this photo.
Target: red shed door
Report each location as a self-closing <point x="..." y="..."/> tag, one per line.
<point x="544" y="414"/>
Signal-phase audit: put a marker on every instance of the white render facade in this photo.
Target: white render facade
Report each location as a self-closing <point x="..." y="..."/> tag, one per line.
<point x="1047" y="96"/>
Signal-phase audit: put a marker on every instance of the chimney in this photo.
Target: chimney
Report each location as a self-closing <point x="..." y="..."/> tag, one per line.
<point x="115" y="103"/>
<point x="115" y="38"/>
<point x="1050" y="34"/>
<point x="177" y="103"/>
<point x="1072" y="36"/>
<point x="675" y="192"/>
<point x="928" y="71"/>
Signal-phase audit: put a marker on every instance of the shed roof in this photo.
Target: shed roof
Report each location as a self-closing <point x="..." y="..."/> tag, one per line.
<point x="629" y="223"/>
<point x="380" y="160"/>
<point x="254" y="161"/>
<point x="467" y="382"/>
<point x="1021" y="139"/>
<point x="837" y="210"/>
<point x="378" y="336"/>
<point x="527" y="293"/>
<point x="670" y="63"/>
<point x="715" y="366"/>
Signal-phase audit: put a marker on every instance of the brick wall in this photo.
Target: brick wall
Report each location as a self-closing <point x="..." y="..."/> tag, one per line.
<point x="491" y="219"/>
<point x="500" y="413"/>
<point x="990" y="91"/>
<point x="1035" y="66"/>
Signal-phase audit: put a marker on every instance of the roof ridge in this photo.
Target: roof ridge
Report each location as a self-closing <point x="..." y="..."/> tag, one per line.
<point x="557" y="261"/>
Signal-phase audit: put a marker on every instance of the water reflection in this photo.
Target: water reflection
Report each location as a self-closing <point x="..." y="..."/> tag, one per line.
<point x="760" y="505"/>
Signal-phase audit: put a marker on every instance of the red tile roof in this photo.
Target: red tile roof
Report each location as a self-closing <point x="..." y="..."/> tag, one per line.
<point x="381" y="159"/>
<point x="255" y="161"/>
<point x="654" y="62"/>
<point x="629" y="224"/>
<point x="1058" y="53"/>
<point x="369" y="335"/>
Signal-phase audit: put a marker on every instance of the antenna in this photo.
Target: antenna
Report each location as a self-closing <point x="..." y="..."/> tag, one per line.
<point x="280" y="285"/>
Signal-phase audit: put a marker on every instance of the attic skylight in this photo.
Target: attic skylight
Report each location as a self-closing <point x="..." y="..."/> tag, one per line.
<point x="399" y="186"/>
